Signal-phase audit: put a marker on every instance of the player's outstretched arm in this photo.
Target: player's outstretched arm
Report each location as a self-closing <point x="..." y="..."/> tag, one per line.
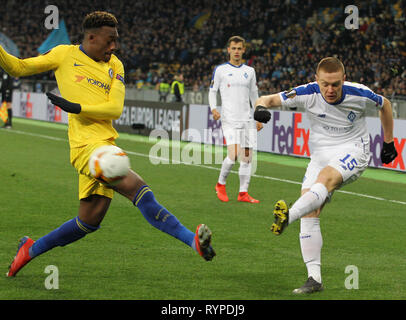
<point x="387" y="120"/>
<point x="64" y="104"/>
<point x="261" y="113"/>
<point x="108" y="110"/>
<point x="16" y="67"/>
<point x="111" y="109"/>
<point x="269" y="101"/>
<point x="388" y="152"/>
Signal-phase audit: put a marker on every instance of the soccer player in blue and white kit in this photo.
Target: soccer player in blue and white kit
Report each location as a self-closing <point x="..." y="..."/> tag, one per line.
<point x="237" y="84"/>
<point x="339" y="146"/>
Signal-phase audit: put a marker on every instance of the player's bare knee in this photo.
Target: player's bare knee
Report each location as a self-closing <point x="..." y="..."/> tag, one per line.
<point x="314" y="214"/>
<point x="130" y="185"/>
<point x="247" y="152"/>
<point x="330" y="178"/>
<point x="233" y="152"/>
<point x="233" y="156"/>
<point x="245" y="159"/>
<point x="246" y="156"/>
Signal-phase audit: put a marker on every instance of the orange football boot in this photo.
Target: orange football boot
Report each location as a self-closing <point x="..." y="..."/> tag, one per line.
<point x="245" y="197"/>
<point x="22" y="257"/>
<point x="221" y="192"/>
<point x="203" y="242"/>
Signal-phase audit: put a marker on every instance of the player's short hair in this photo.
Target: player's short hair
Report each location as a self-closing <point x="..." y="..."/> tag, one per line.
<point x="98" y="19"/>
<point x="236" y="39"/>
<point x="330" y="64"/>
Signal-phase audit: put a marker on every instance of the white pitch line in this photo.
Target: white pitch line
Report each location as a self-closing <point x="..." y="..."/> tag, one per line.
<point x="34" y="134"/>
<point x="206" y="166"/>
<point x="261" y="176"/>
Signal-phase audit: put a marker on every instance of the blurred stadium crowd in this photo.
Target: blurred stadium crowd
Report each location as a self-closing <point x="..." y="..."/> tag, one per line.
<point x="285" y="38"/>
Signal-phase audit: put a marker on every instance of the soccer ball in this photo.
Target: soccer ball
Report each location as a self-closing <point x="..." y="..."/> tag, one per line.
<point x="109" y="164"/>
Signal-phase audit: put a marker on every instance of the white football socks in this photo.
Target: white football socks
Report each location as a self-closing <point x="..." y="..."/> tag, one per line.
<point x="308" y="202"/>
<point x="245" y="175"/>
<point x="225" y="170"/>
<point x="311" y="243"/>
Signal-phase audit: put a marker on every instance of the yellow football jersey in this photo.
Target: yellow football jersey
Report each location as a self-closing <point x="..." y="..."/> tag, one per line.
<point x="97" y="86"/>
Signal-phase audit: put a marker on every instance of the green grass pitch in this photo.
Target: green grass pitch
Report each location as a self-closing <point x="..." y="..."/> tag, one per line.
<point x="129" y="259"/>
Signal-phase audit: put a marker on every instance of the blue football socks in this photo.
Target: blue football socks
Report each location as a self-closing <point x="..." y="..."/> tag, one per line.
<point x="145" y="201"/>
<point x="161" y="218"/>
<point x="69" y="232"/>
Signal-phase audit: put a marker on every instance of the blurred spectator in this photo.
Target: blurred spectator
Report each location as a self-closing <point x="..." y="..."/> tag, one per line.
<point x="178" y="87"/>
<point x="7" y="87"/>
<point x="164" y="89"/>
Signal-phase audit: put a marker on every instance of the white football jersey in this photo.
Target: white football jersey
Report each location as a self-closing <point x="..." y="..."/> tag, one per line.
<point x="238" y="86"/>
<point x="335" y="124"/>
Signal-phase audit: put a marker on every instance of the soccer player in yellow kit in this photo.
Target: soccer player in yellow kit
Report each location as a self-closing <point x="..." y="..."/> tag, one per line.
<point x="91" y="81"/>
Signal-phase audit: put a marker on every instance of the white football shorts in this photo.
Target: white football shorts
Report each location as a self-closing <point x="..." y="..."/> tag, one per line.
<point x="350" y="160"/>
<point x="243" y="133"/>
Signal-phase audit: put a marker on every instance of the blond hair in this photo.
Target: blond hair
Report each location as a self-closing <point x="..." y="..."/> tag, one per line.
<point x="330" y="64"/>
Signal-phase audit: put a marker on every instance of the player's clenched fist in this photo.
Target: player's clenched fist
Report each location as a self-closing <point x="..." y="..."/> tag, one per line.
<point x="262" y="114"/>
<point x="216" y="114"/>
<point x="388" y="152"/>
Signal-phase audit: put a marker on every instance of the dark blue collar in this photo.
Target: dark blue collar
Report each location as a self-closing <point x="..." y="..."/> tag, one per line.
<point x="83" y="50"/>
<point x="234" y="65"/>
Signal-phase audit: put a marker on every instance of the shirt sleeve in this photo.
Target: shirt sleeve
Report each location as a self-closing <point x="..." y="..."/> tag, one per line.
<point x="17" y="67"/>
<point x="111" y="109"/>
<point x="215" y="80"/>
<point x="373" y="100"/>
<point x="212" y="99"/>
<point x="214" y="86"/>
<point x="253" y="89"/>
<point x="297" y="97"/>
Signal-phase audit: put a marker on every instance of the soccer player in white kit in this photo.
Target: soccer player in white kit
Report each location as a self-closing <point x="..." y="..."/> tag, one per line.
<point x="237" y="84"/>
<point x="339" y="147"/>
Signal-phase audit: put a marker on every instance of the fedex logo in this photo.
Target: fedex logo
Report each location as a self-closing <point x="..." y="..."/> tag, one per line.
<point x="398" y="163"/>
<point x="290" y="135"/>
<point x="291" y="140"/>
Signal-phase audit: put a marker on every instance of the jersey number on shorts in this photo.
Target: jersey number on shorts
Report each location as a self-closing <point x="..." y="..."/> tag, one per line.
<point x="347" y="163"/>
